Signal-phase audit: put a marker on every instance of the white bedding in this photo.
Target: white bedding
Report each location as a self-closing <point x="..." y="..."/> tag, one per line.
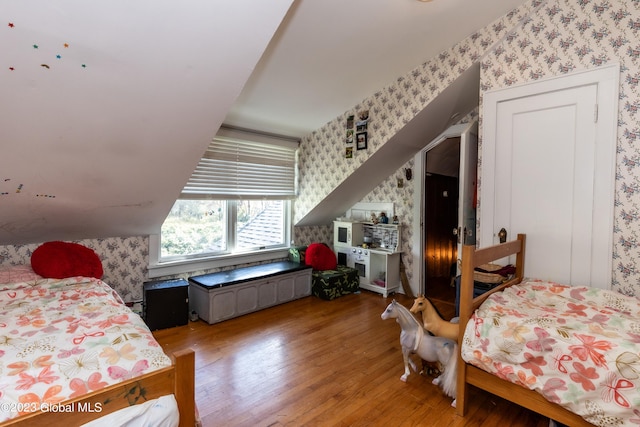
<point x="161" y="412"/>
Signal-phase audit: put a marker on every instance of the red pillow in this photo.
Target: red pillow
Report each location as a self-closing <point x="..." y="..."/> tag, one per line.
<point x="64" y="259"/>
<point x="320" y="257"/>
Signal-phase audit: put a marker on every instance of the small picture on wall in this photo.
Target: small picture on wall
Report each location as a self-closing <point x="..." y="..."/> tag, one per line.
<point x="349" y="139"/>
<point x="349" y="153"/>
<point x="361" y="140"/>
<point x="350" y="122"/>
<point x="361" y="125"/>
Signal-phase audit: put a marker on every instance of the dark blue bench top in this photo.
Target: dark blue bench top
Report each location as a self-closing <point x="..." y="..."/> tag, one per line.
<point x="164" y="284"/>
<point x="246" y="274"/>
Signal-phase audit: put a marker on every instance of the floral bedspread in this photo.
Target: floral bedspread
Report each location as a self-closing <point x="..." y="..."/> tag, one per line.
<point x="60" y="339"/>
<point x="577" y="346"/>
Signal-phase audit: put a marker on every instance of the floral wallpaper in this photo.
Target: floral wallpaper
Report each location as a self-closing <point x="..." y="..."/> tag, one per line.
<point x="389" y="110"/>
<point x="124" y="261"/>
<point x="564" y="36"/>
<point x="538" y="40"/>
<point x="304" y="236"/>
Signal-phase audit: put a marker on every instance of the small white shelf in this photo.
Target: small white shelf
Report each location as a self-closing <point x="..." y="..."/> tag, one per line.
<point x="385" y="272"/>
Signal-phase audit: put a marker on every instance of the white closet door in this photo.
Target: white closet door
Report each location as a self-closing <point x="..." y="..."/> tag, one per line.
<point x="547" y="171"/>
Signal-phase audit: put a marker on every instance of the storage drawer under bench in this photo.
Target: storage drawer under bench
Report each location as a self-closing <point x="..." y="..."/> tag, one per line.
<point x="232" y="293"/>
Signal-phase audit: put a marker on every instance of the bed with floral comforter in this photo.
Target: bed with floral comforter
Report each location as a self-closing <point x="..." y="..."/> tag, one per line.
<point x="61" y="338"/>
<point x="577" y="346"/>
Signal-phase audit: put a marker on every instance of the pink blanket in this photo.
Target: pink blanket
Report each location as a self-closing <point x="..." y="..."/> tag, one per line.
<point x="63" y="338"/>
<point x="577" y="346"/>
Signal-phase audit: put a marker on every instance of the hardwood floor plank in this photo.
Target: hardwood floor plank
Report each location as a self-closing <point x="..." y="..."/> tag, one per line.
<point x="321" y="363"/>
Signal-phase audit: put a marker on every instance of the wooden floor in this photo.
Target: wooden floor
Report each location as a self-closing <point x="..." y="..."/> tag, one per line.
<point x="440" y="289"/>
<point x="321" y="363"/>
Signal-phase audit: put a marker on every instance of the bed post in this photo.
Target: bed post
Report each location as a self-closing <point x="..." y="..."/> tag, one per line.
<point x="520" y="257"/>
<point x="469" y="262"/>
<point x="466" y="299"/>
<point x="184" y="386"/>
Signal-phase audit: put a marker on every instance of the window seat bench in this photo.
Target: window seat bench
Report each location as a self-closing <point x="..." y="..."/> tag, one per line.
<point x="231" y="293"/>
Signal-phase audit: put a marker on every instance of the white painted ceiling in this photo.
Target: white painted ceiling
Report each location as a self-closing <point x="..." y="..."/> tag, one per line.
<point x="107" y="105"/>
<point x="329" y="55"/>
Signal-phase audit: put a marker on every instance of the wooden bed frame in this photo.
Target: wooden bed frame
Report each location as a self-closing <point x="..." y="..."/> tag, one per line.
<point x="177" y="379"/>
<point x="471" y="375"/>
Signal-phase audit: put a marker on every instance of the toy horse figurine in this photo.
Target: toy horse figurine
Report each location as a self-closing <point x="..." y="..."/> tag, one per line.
<point x="432" y="321"/>
<point x="415" y="340"/>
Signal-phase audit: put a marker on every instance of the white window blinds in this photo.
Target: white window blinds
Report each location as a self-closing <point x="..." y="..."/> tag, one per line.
<point x="242" y="164"/>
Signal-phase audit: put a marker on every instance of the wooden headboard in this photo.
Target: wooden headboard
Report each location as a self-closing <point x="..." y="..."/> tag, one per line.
<point x="471" y="375"/>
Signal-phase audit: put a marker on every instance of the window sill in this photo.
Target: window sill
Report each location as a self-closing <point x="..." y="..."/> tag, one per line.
<point x="160" y="269"/>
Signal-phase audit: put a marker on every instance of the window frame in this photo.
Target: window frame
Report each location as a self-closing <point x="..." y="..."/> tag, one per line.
<point x="159" y="267"/>
<point x="172" y="265"/>
<point x="169" y="268"/>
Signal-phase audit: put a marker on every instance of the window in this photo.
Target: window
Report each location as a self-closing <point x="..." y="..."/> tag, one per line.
<point x="194" y="227"/>
<point x="236" y="201"/>
<point x="197" y="228"/>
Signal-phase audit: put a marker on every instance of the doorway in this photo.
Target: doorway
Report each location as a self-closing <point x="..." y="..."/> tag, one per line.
<point x="448" y="168"/>
<point x="442" y="165"/>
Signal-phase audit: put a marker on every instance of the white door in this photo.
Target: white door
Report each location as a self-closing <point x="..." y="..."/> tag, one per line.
<point x="548" y="171"/>
<point x="467" y="185"/>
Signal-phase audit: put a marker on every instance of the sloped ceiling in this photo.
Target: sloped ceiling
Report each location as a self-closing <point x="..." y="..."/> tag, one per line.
<point x="458" y="99"/>
<point x="108" y="105"/>
<point x="329" y="55"/>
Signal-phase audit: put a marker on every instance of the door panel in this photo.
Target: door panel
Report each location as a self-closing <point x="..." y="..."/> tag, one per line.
<point x="541" y="158"/>
<point x="467" y="185"/>
<point x="547" y="189"/>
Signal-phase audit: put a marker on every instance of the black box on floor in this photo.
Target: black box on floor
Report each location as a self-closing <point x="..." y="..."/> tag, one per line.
<point x="165" y="303"/>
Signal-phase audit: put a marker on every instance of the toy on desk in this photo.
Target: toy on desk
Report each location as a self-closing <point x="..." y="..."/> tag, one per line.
<point x="384" y="219"/>
<point x="415" y="340"/>
<point x="433" y="321"/>
<point x="374" y="218"/>
<point x="396" y="220"/>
